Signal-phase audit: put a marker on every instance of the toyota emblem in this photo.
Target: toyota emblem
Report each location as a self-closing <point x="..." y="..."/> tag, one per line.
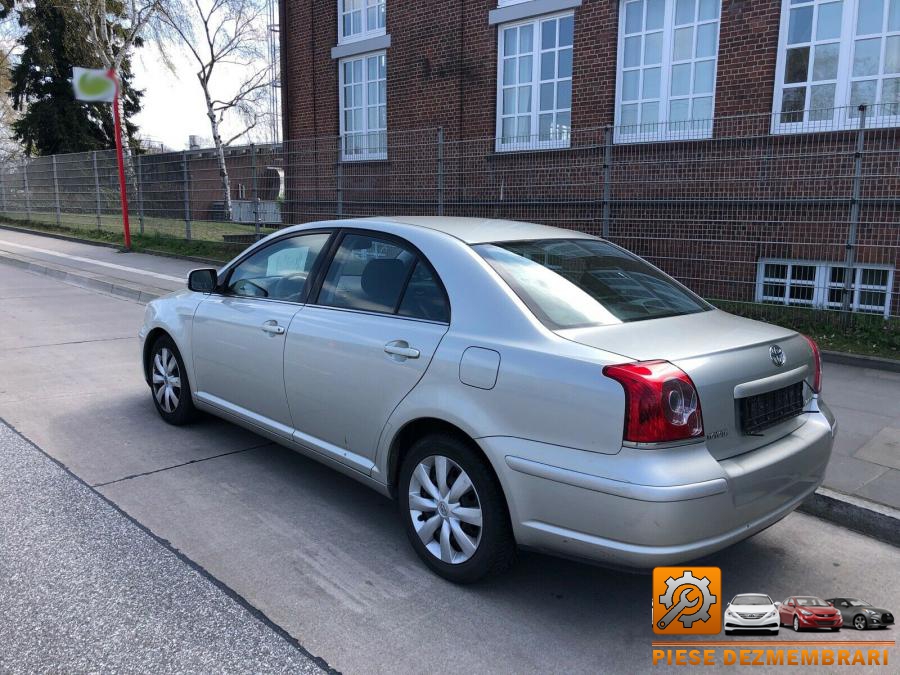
<point x="777" y="354"/>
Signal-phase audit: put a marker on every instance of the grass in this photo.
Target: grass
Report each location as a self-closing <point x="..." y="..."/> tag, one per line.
<point x="161" y="235"/>
<point x="851" y="332"/>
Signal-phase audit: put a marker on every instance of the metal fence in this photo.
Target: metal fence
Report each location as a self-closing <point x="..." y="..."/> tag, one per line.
<point x="761" y="222"/>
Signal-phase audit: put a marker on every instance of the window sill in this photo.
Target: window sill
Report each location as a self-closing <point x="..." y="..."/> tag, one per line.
<point x="790" y="128"/>
<point x="527" y="9"/>
<point x="362" y="159"/>
<point x="361" y="46"/>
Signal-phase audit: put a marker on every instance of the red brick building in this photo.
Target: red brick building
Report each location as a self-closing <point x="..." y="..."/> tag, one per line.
<point x="717" y="137"/>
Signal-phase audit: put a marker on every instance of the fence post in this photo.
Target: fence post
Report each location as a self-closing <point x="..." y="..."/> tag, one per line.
<point x="27" y="194"/>
<point x="187" y="195"/>
<point x="607" y="178"/>
<point x="339" y="179"/>
<point x="140" y="192"/>
<point x="3" y="189"/>
<point x="56" y="191"/>
<point x="255" y="190"/>
<point x="440" y="171"/>
<point x="854" y="216"/>
<point x="97" y="187"/>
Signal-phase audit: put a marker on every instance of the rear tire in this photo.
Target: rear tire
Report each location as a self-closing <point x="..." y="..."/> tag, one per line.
<point x="454" y="510"/>
<point x="169" y="383"/>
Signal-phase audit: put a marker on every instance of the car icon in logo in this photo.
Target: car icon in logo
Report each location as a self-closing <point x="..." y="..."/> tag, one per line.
<point x="777" y="354"/>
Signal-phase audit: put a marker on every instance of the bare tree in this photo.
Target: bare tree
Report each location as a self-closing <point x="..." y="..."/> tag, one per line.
<point x="228" y="33"/>
<point x="114" y="27"/>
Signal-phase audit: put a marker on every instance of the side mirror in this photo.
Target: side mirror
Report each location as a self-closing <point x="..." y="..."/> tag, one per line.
<point x="778" y="604"/>
<point x="203" y="280"/>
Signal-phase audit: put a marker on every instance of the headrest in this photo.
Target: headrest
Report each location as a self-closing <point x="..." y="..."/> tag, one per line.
<point x="382" y="279"/>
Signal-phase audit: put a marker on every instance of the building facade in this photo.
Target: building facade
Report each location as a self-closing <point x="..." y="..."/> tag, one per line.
<point x="719" y="138"/>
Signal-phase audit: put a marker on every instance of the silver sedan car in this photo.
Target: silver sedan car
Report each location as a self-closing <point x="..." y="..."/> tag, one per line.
<point x="509" y="384"/>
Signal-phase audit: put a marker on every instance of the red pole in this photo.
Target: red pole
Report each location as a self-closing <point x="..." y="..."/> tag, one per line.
<point x="120" y="156"/>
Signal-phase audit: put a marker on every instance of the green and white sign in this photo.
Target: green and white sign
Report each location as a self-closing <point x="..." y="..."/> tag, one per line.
<point x="95" y="86"/>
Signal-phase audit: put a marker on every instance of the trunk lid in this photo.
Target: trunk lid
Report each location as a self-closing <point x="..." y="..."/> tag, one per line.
<point x="727" y="357"/>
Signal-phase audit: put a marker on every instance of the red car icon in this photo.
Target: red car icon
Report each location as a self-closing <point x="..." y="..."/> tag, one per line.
<point x="806" y="611"/>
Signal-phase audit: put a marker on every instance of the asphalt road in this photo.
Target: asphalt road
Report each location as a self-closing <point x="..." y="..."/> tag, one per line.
<point x="324" y="557"/>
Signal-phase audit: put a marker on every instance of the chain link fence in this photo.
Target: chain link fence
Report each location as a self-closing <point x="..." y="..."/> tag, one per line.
<point x="762" y="223"/>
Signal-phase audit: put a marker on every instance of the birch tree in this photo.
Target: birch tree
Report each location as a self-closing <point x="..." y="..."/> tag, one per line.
<point x="227" y="40"/>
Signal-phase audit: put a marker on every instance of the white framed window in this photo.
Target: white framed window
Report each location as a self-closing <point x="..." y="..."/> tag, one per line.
<point x="363" y="105"/>
<point x="360" y="19"/>
<point x="833" y="56"/>
<point x="821" y="285"/>
<point x="666" y="77"/>
<point x="534" y="83"/>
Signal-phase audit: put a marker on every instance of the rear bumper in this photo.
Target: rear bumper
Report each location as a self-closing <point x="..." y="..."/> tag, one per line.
<point x="643" y="508"/>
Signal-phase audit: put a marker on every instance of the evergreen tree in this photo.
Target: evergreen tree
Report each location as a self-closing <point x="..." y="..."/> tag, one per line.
<point x="51" y="120"/>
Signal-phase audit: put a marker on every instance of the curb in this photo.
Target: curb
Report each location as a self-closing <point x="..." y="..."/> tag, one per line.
<point x="860" y="515"/>
<point x="861" y="361"/>
<point x="85" y="280"/>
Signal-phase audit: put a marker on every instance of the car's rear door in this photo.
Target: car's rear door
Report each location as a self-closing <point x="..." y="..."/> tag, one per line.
<point x="355" y="352"/>
<point x="238" y="334"/>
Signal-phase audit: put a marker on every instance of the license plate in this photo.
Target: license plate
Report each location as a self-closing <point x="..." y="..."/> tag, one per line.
<point x="765" y="410"/>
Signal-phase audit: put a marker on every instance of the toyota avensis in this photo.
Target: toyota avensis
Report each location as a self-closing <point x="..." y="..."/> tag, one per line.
<point x="510" y="384"/>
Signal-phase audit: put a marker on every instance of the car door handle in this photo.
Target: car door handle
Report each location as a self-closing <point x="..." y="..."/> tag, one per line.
<point x="272" y="328"/>
<point x="401" y="348"/>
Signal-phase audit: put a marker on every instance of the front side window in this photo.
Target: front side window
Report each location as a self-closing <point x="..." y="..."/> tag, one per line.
<point x="379" y="275"/>
<point x="363" y="94"/>
<point x="667" y="69"/>
<point x="825" y="285"/>
<point x="834" y="56"/>
<point x="574" y="283"/>
<point x="359" y="19"/>
<point x="534" y="88"/>
<point x="279" y="271"/>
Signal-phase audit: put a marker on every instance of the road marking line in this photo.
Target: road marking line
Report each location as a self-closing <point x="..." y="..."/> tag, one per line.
<point x="90" y="261"/>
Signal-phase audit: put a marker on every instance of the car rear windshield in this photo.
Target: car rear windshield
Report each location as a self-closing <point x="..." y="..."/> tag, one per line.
<point x="574" y="283"/>
<point x="752" y="600"/>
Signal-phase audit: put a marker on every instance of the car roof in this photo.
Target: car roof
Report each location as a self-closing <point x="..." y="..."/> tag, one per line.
<point x="481" y="230"/>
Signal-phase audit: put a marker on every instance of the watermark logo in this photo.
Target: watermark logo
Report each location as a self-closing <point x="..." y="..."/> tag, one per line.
<point x="687" y="600"/>
<point x="97" y="86"/>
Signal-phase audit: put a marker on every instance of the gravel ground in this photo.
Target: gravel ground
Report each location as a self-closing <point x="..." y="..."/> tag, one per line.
<point x="84" y="589"/>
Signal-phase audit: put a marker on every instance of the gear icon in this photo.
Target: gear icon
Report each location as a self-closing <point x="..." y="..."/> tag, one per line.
<point x="688" y="579"/>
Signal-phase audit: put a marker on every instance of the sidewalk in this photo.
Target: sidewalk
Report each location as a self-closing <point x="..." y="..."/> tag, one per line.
<point x="866" y="458"/>
<point x="866" y="401"/>
<point x="85" y="589"/>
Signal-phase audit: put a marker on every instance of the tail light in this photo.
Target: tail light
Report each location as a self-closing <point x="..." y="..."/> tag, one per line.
<point x="661" y="402"/>
<point x="817" y="357"/>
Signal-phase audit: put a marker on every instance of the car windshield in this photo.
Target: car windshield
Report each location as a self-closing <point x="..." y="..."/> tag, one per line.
<point x="811" y="602"/>
<point x="575" y="283"/>
<point x="751" y="600"/>
<point x="858" y="603"/>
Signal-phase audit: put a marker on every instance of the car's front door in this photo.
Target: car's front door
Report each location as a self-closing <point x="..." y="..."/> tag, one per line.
<point x="238" y="334"/>
<point x="353" y="354"/>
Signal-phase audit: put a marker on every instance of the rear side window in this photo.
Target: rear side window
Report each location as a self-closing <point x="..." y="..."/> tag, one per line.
<point x="575" y="283"/>
<point x="381" y="275"/>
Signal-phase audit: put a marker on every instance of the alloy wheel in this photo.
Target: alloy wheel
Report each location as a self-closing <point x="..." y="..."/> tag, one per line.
<point x="859" y="623"/>
<point x="796" y="625"/>
<point x="445" y="509"/>
<point x="166" y="380"/>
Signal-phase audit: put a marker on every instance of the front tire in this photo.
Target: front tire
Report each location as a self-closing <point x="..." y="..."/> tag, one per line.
<point x="859" y="622"/>
<point x="169" y="383"/>
<point x="796" y="624"/>
<point x="454" y="510"/>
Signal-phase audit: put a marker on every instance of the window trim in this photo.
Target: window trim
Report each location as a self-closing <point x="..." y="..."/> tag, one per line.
<point x="364" y="34"/>
<point x="535" y="143"/>
<point x="840" y="119"/>
<point x="335" y="245"/>
<point x="366" y="156"/>
<point x="662" y="133"/>
<point x="822" y="284"/>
